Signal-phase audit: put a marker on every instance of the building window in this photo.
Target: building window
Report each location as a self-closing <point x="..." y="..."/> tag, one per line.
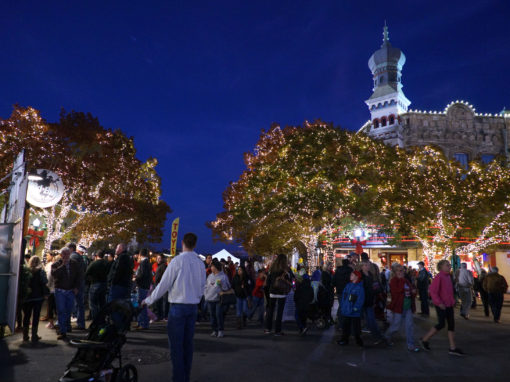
<point x="392" y="119"/>
<point x="381" y="79"/>
<point x="462" y="158"/>
<point x="376" y="123"/>
<point x="487" y="158"/>
<point x="383" y="121"/>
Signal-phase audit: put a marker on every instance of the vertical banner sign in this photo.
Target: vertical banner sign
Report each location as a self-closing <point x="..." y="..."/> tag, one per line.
<point x="173" y="239"/>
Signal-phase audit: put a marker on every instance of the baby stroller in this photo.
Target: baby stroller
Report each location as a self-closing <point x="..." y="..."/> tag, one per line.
<point x="95" y="356"/>
<point x="318" y="310"/>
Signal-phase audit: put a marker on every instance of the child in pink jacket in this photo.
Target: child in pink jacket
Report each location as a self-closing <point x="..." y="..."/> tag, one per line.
<point x="441" y="291"/>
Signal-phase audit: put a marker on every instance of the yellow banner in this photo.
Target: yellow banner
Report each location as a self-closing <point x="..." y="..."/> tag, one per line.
<point x="173" y="238"/>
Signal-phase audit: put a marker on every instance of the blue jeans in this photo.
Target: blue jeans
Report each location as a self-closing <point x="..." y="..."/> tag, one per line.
<point x="371" y="323"/>
<point x="64" y="300"/>
<point x="181" y="329"/>
<point x="396" y="322"/>
<point x="241" y="307"/>
<point x="216" y="312"/>
<point x="97" y="298"/>
<point x="118" y="292"/>
<point x="143" y="318"/>
<point x="79" y="306"/>
<point x="257" y="303"/>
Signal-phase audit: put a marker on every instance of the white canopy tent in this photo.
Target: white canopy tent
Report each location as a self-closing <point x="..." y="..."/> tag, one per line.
<point x="223" y="255"/>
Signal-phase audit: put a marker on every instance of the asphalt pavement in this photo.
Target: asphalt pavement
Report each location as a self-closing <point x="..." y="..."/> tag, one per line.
<point x="249" y="355"/>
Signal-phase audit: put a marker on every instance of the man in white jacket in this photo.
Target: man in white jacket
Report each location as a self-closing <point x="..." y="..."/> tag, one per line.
<point x="184" y="280"/>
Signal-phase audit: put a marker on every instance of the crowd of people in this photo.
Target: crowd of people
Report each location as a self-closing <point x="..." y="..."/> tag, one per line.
<point x="186" y="289"/>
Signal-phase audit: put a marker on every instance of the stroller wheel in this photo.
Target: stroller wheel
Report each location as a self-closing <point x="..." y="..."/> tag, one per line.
<point x="320" y="323"/>
<point x="127" y="373"/>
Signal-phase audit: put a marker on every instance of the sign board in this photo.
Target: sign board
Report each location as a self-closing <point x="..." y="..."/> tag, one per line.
<point x="5" y="265"/>
<point x="173" y="237"/>
<point x="15" y="212"/>
<point x="47" y="191"/>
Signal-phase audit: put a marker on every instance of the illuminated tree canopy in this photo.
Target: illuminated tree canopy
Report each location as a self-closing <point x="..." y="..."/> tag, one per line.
<point x="302" y="180"/>
<point x="297" y="180"/>
<point x="110" y="194"/>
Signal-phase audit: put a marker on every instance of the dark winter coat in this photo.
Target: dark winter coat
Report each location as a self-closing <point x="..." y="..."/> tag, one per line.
<point x="67" y="280"/>
<point x="121" y="271"/>
<point x="242" y="286"/>
<point x="341" y="278"/>
<point x="303" y="295"/>
<point x="160" y="270"/>
<point x="271" y="287"/>
<point x="423" y="280"/>
<point x="97" y="271"/>
<point x="368" y="288"/>
<point x="143" y="277"/>
<point x="36" y="284"/>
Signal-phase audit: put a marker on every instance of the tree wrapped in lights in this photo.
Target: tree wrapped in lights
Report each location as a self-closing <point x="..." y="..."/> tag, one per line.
<point x="109" y="192"/>
<point x="297" y="180"/>
<point x="441" y="204"/>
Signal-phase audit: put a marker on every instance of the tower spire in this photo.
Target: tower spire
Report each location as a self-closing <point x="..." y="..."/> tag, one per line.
<point x="386" y="37"/>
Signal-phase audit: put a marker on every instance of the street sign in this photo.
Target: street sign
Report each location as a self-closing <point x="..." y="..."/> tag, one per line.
<point x="47" y="191"/>
<point x="5" y="266"/>
<point x="173" y="238"/>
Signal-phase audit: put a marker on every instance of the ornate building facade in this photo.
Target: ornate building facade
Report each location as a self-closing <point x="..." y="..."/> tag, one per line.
<point x="459" y="130"/>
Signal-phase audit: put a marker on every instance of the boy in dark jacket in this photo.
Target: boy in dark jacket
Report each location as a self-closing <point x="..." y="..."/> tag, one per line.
<point x="303" y="297"/>
<point x="353" y="299"/>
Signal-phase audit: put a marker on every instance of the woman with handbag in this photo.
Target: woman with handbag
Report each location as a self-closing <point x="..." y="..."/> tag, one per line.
<point x="33" y="303"/>
<point x="278" y="286"/>
<point x="216" y="293"/>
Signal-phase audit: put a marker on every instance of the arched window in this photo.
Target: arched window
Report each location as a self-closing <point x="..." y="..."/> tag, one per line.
<point x="376" y="123"/>
<point x="392" y="119"/>
<point x="383" y="121"/>
<point x="381" y="80"/>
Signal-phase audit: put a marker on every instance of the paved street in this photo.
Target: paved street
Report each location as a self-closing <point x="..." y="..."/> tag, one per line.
<point x="248" y="355"/>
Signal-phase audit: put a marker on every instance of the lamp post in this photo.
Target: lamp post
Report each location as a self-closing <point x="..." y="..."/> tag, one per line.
<point x="36" y="223"/>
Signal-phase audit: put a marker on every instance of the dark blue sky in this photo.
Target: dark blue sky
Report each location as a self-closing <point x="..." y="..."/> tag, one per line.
<point x="195" y="81"/>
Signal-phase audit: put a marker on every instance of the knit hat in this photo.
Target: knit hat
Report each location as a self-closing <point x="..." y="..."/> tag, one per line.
<point x="358" y="275"/>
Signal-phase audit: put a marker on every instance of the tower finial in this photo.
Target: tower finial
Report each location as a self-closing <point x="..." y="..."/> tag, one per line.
<point x="386" y="37"/>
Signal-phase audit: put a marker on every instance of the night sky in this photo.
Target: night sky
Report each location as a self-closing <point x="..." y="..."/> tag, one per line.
<point x="195" y="81"/>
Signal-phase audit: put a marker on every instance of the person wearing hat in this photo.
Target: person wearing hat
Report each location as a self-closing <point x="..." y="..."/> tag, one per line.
<point x="402" y="306"/>
<point x="353" y="298"/>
